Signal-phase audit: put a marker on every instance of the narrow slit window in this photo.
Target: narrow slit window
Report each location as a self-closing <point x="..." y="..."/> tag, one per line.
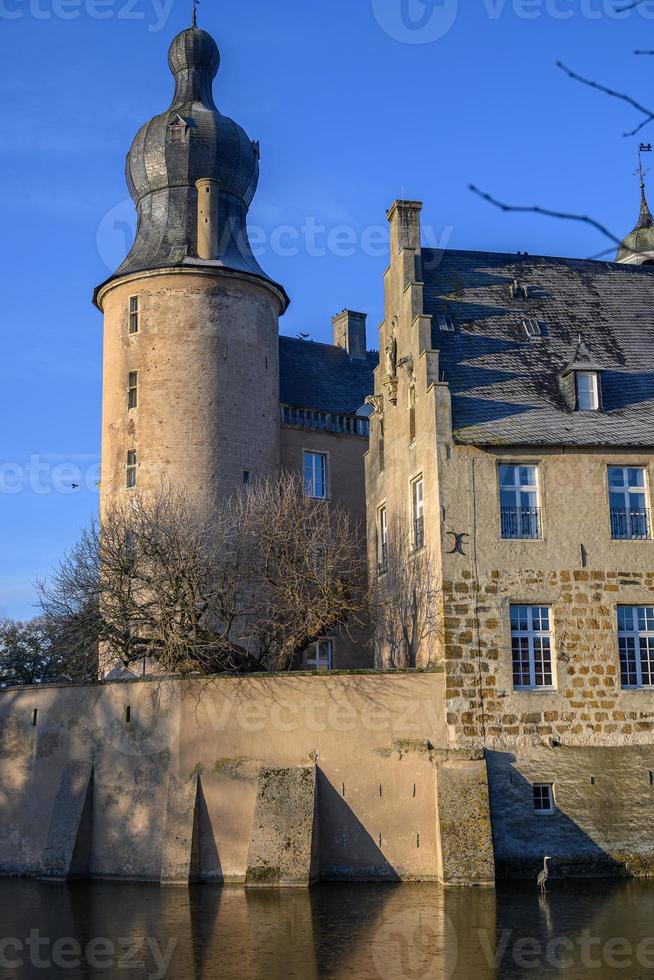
<point x="132" y="389"/>
<point x="382" y="540"/>
<point x="418" y="512"/>
<point x="131" y="469"/>
<point x="134" y="314"/>
<point x="35" y="715"/>
<point x="412" y="414"/>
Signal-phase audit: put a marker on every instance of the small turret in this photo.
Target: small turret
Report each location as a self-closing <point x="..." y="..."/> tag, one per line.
<point x="638" y="247"/>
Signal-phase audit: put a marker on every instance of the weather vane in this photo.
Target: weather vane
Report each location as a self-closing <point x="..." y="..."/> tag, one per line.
<point x="196" y="4"/>
<point x="641" y="172"/>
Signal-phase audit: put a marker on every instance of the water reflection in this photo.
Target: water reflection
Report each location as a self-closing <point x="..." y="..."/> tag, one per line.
<point x="359" y="932"/>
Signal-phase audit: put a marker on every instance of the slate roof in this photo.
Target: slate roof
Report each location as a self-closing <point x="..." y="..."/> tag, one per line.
<point x="507" y="389"/>
<point x="323" y="377"/>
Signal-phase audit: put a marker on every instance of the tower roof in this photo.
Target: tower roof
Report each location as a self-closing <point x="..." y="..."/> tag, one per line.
<point x="192" y="140"/>
<point x="640" y="241"/>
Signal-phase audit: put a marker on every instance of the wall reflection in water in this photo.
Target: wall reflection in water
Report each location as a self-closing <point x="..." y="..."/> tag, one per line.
<point x="359" y="932"/>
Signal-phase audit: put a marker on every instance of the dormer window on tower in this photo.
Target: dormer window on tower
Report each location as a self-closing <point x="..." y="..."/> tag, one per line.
<point x="177" y="130"/>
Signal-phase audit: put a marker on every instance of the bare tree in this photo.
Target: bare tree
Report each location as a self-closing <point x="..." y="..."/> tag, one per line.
<point x="405" y="604"/>
<point x="245" y="587"/>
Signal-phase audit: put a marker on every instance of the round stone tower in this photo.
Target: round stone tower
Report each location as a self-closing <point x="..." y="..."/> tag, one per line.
<point x="191" y="356"/>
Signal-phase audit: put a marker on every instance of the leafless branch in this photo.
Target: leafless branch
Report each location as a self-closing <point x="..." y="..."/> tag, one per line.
<point x="547" y="212"/>
<point x="616" y="95"/>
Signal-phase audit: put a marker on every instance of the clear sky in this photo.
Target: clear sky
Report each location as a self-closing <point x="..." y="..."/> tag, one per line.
<point x="355" y="102"/>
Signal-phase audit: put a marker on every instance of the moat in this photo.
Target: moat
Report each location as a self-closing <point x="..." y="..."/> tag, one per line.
<point x="599" y="928"/>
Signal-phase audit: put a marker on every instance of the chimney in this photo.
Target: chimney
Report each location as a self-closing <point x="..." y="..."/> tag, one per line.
<point x="207" y="218"/>
<point x="350" y="333"/>
<point x="404" y="219"/>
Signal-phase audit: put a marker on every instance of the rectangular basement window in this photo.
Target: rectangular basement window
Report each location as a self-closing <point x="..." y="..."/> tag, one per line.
<point x="544" y="798"/>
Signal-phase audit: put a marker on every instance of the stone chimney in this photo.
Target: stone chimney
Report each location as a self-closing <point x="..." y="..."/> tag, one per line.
<point x="404" y="219"/>
<point x="350" y="333"/>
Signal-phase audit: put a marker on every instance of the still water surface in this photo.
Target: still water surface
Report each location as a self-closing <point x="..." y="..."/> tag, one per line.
<point x="360" y="932"/>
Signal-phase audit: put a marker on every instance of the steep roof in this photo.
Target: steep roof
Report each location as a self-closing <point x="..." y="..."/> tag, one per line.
<point x="507" y="388"/>
<point x="323" y="377"/>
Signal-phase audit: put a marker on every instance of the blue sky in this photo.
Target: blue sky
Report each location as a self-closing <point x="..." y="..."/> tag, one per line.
<point x="355" y="102"/>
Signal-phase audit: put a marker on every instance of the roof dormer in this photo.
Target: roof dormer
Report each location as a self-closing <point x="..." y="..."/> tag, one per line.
<point x="581" y="379"/>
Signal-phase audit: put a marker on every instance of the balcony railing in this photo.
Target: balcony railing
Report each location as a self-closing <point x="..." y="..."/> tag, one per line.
<point x="419" y="533"/>
<point x="630" y="524"/>
<point x="521" y="522"/>
<point x="307" y="418"/>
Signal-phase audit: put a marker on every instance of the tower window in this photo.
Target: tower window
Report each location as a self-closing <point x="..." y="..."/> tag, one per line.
<point x="130" y="470"/>
<point x="133" y="314"/>
<point x="132" y="389"/>
<point x="380" y="445"/>
<point x="323" y="656"/>
<point x="587" y="391"/>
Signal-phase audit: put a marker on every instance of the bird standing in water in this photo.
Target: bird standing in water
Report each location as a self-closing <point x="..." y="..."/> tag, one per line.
<point x="544" y="875"/>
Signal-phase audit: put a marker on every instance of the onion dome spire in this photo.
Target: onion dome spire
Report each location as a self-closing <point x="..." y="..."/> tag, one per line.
<point x="191" y="141"/>
<point x="638" y="247"/>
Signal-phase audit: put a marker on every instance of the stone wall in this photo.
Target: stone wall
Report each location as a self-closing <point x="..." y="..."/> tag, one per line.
<point x="588" y="706"/>
<point x="168" y="790"/>
<point x="602" y="822"/>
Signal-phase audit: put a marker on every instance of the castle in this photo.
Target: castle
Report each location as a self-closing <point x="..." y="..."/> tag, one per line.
<point x="505" y="437"/>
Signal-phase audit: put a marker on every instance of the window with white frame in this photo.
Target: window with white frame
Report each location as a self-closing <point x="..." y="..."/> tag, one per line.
<point x="132" y="389"/>
<point x="133" y="314"/>
<point x="636" y="645"/>
<point x="519" y="501"/>
<point x="531" y="646"/>
<point x="418" y="512"/>
<point x="322" y="656"/>
<point x="628" y="497"/>
<point x="382" y="540"/>
<point x="131" y="469"/>
<point x="543" y="798"/>
<point x="315" y="475"/>
<point x="587" y="391"/>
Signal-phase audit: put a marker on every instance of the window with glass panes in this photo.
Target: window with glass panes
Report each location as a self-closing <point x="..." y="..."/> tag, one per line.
<point x="531" y="646"/>
<point x="315" y="475"/>
<point x="382" y="540"/>
<point x="418" y="508"/>
<point x="519" y="501"/>
<point x="133" y="314"/>
<point x="636" y="645"/>
<point x="130" y="470"/>
<point x="587" y="391"/>
<point x="322" y="656"/>
<point x="628" y="502"/>
<point x="543" y="797"/>
<point x="132" y="389"/>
